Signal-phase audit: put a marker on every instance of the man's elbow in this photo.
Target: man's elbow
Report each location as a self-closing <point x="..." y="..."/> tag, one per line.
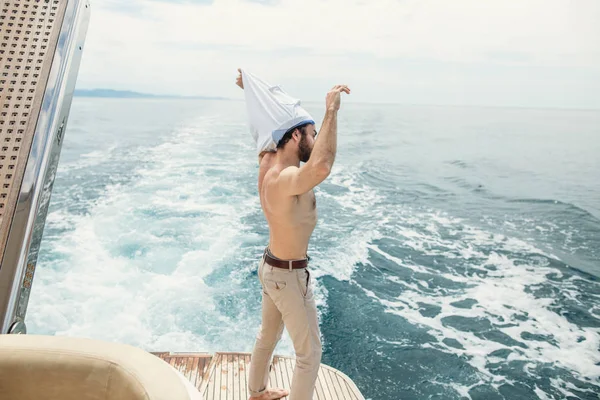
<point x="322" y="171"/>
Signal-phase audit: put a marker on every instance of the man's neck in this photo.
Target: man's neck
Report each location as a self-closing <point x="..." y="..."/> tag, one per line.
<point x="287" y="159"/>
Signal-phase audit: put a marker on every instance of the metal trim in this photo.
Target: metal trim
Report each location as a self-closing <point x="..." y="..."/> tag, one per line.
<point x="26" y="231"/>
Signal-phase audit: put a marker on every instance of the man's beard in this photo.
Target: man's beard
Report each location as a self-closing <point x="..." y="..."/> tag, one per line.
<point x="303" y="150"/>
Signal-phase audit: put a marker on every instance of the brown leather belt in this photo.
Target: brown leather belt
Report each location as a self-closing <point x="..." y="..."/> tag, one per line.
<point x="285" y="264"/>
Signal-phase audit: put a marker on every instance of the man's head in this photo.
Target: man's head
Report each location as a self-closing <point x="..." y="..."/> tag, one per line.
<point x="300" y="139"/>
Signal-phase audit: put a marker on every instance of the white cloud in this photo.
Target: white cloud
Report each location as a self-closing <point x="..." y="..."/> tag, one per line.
<point x="506" y="52"/>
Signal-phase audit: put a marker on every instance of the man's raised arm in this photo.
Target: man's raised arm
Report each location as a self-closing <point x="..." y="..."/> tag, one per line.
<point x="293" y="180"/>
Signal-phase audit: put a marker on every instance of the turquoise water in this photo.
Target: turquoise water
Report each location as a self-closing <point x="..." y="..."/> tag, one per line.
<point x="457" y="253"/>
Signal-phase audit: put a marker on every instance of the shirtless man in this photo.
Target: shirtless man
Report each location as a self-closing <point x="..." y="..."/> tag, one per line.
<point x="288" y="202"/>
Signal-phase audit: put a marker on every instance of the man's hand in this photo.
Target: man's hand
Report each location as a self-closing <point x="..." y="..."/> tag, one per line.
<point x="239" y="81"/>
<point x="333" y="99"/>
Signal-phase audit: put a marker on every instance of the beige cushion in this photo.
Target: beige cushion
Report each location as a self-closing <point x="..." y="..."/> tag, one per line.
<point x="61" y="368"/>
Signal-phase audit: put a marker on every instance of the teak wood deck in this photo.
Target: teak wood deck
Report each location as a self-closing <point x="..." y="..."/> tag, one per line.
<point x="224" y="376"/>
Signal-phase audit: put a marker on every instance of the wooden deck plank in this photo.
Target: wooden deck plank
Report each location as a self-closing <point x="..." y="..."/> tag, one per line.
<point x="196" y="373"/>
<point x="235" y="390"/>
<point x="326" y="389"/>
<point x="188" y="368"/>
<point x="319" y="388"/>
<point x="336" y="384"/>
<point x="287" y="364"/>
<point x="194" y="370"/>
<point x="181" y="363"/>
<point x="274" y="367"/>
<point x="345" y="393"/>
<point x="202" y="365"/>
<point x="246" y="374"/>
<point x="287" y="382"/>
<point x="208" y="377"/>
<point x="230" y="374"/>
<point x="215" y="379"/>
<point x="289" y="370"/>
<point x="203" y="388"/>
<point x="242" y="377"/>
<point x="205" y="379"/>
<point x="279" y="369"/>
<point x="207" y="370"/>
<point x="330" y="383"/>
<point x="219" y="376"/>
<point x="176" y="363"/>
<point x="199" y="372"/>
<point x="223" y="385"/>
<point x="351" y="386"/>
<point x="236" y="378"/>
<point x="225" y="389"/>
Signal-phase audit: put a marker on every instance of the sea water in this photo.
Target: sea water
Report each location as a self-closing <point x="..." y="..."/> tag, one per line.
<point x="456" y="255"/>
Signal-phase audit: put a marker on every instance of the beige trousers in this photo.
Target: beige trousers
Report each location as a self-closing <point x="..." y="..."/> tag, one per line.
<point x="287" y="300"/>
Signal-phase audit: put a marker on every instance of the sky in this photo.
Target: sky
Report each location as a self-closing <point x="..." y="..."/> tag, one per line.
<point x="523" y="53"/>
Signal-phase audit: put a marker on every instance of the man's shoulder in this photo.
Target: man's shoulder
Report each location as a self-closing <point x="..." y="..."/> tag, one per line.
<point x="288" y="170"/>
<point x="276" y="172"/>
<point x="275" y="176"/>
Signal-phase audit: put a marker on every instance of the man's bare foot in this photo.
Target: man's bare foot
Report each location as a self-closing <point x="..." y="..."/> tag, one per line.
<point x="272" y="394"/>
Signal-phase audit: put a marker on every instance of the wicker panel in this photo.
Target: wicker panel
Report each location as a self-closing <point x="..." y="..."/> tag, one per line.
<point x="28" y="34"/>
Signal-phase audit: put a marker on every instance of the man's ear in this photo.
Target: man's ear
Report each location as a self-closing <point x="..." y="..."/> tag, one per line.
<point x="296" y="135"/>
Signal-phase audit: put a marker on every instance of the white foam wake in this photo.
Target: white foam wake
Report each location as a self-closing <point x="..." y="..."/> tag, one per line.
<point x="504" y="295"/>
<point x="134" y="269"/>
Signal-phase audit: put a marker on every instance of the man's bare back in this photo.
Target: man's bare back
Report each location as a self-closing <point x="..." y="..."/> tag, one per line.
<point x="291" y="219"/>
